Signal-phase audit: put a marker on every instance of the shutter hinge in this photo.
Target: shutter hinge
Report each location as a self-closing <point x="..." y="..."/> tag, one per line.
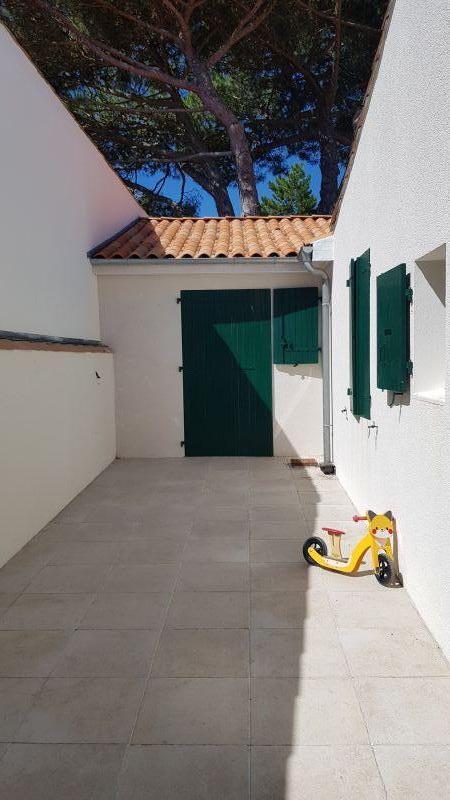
<point x="178" y="300"/>
<point x="349" y="282"/>
<point x="349" y="392"/>
<point x="409" y="367"/>
<point x="180" y="369"/>
<point x="409" y="294"/>
<point x="182" y="443"/>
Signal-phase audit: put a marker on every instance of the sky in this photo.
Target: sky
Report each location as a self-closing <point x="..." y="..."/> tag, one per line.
<point x="207" y="206"/>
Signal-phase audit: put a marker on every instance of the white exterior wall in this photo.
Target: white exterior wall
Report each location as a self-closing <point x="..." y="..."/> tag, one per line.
<point x="56" y="432"/>
<point x="58" y="199"/>
<point x="141" y="320"/>
<point x="396" y="204"/>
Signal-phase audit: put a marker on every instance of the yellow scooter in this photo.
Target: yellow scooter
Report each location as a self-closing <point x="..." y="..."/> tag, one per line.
<point x="379" y="529"/>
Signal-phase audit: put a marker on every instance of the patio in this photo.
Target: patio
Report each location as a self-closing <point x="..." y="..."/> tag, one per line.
<point x="163" y="639"/>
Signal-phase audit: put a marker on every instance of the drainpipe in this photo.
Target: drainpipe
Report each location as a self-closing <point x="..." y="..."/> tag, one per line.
<point x="305" y="259"/>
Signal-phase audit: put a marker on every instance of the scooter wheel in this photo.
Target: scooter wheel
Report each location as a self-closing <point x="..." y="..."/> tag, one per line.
<point x="385" y="572"/>
<point x="319" y="546"/>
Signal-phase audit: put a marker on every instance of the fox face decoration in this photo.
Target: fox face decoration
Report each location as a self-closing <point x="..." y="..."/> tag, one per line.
<point x="380" y="523"/>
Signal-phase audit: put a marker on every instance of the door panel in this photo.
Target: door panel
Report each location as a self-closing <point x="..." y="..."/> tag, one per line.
<point x="227" y="372"/>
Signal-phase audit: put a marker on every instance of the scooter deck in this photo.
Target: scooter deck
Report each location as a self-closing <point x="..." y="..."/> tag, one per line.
<point x="351" y="565"/>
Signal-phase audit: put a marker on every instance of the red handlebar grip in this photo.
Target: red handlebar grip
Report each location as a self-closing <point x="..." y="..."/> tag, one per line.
<point x="359" y="519"/>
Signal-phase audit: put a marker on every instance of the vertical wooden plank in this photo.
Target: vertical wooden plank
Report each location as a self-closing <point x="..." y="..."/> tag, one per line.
<point x="227" y="377"/>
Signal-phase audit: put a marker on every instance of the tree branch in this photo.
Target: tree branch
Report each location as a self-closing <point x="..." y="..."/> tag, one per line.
<point x="247" y="25"/>
<point x="137" y="20"/>
<point x="331" y="91"/>
<point x="330" y="18"/>
<point x="110" y="55"/>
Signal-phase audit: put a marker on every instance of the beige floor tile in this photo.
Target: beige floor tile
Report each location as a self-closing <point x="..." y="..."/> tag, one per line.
<point x="228" y="513"/>
<point x="223" y="528"/>
<point x="279" y="530"/>
<point x="283" y="513"/>
<point x="406" y="710"/>
<point x="415" y="772"/>
<point x="308" y="652"/>
<point x="396" y="653"/>
<point x="106" y="653"/>
<point x="16" y="697"/>
<point x="6" y="600"/>
<point x="79" y="578"/>
<point x="391" y="609"/>
<point x="216" y="548"/>
<point x="319" y="773"/>
<point x="46" y="612"/>
<point x="213" y="577"/>
<point x="84" y="553"/>
<point x="309" y="711"/>
<point x="209" y="610"/>
<point x="113" y="611"/>
<point x="90" y="531"/>
<point x="290" y="609"/>
<point x="160" y="550"/>
<point x="207" y="653"/>
<point x="17" y="574"/>
<point x="187" y="772"/>
<point x="100" y="710"/>
<point x="194" y="711"/>
<point x="30" y="654"/>
<point x="279" y="577"/>
<point x="140" y="578"/>
<point x="275" y="551"/>
<point x="51" y="772"/>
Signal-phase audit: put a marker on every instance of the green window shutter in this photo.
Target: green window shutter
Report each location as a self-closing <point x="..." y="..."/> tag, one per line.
<point x="393" y="366"/>
<point x="360" y="334"/>
<point x="296" y="326"/>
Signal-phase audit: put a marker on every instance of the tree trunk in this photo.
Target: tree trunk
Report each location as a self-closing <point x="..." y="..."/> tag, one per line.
<point x="238" y="139"/>
<point x="212" y="182"/>
<point x="244" y="167"/>
<point x="329" y="167"/>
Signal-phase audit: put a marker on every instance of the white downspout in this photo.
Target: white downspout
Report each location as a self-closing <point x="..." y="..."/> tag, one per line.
<point x="305" y="259"/>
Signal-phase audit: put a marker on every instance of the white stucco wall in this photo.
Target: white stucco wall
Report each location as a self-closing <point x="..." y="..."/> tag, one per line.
<point x="141" y="320"/>
<point x="58" y="198"/>
<point x="56" y="433"/>
<point x="397" y="204"/>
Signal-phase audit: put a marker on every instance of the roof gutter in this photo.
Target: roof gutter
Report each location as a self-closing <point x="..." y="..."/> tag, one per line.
<point x="305" y="259"/>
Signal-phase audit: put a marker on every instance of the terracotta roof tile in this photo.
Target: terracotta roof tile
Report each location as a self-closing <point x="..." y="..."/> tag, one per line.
<point x="211" y="237"/>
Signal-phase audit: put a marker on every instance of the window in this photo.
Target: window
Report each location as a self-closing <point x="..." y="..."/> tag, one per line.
<point x="393" y="297"/>
<point x="296" y="326"/>
<point x="429" y="326"/>
<point x="359" y="284"/>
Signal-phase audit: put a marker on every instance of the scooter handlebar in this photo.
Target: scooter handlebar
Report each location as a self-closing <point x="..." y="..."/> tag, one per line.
<point x="359" y="519"/>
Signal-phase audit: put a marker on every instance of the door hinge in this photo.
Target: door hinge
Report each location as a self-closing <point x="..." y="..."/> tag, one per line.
<point x="182" y="443"/>
<point x="409" y="367"/>
<point x="180" y="369"/>
<point x="349" y="392"/>
<point x="409" y="294"/>
<point x="178" y="300"/>
<point x="349" y="282"/>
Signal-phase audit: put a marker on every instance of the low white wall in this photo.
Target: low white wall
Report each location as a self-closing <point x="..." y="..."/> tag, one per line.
<point x="58" y="199"/>
<point x="141" y="320"/>
<point x="57" y="432"/>
<point x="396" y="204"/>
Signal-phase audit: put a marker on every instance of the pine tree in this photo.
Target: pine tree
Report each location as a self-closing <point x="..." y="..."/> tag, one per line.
<point x="291" y="194"/>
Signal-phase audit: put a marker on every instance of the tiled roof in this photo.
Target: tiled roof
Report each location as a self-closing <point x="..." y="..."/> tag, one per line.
<point x="224" y="237"/>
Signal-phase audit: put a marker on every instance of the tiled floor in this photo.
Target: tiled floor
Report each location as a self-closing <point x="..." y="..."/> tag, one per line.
<point x="163" y="639"/>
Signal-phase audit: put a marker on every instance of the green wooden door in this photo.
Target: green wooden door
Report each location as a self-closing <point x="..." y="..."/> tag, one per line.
<point x="227" y="372"/>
